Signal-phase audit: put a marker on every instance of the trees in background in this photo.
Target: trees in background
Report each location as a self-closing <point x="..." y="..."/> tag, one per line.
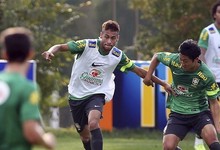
<point x="48" y="20"/>
<point x="165" y="24"/>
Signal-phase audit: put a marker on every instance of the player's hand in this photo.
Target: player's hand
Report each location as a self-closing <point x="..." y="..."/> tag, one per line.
<point x="47" y="55"/>
<point x="148" y="81"/>
<point x="49" y="140"/>
<point x="169" y="89"/>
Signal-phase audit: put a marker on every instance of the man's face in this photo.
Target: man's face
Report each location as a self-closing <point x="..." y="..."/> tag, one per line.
<point x="217" y="15"/>
<point x="108" y="39"/>
<point x="188" y="64"/>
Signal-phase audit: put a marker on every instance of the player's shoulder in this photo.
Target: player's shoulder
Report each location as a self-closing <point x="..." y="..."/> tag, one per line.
<point x="117" y="52"/>
<point x="210" y="29"/>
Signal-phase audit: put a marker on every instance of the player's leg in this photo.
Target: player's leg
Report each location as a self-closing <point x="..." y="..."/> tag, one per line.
<point x="85" y="138"/>
<point x="80" y="120"/>
<point x="174" y="132"/>
<point x="94" y="110"/>
<point x="210" y="137"/>
<point x="204" y="127"/>
<point x="170" y="141"/>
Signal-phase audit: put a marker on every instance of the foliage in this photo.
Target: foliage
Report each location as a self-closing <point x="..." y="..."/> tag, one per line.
<point x="165" y="24"/>
<point x="47" y="19"/>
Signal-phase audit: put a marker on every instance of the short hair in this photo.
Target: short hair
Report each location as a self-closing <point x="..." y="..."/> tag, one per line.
<point x="111" y="25"/>
<point x="214" y="8"/>
<point x="190" y="48"/>
<point x="17" y="42"/>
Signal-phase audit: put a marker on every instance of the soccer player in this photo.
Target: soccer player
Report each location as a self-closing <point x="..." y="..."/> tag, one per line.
<point x="209" y="43"/>
<point x="19" y="114"/>
<point x="195" y="91"/>
<point x="92" y="80"/>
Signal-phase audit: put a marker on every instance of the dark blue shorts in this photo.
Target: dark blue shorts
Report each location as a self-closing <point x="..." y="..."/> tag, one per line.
<point x="81" y="108"/>
<point x="181" y="124"/>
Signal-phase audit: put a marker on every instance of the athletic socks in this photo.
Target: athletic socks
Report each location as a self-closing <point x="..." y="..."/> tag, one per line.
<point x="96" y="140"/>
<point x="87" y="145"/>
<point x="215" y="146"/>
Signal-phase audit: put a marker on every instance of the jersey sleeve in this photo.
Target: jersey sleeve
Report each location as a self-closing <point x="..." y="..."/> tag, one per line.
<point x="212" y="90"/>
<point x="30" y="101"/>
<point x="203" y="39"/>
<point x="125" y="64"/>
<point x="165" y="57"/>
<point x="77" y="47"/>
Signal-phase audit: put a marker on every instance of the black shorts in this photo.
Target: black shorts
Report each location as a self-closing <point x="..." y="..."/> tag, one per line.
<point x="80" y="109"/>
<point x="181" y="124"/>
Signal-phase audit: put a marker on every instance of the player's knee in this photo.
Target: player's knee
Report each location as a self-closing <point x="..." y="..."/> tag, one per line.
<point x="214" y="146"/>
<point x="85" y="138"/>
<point x="168" y="146"/>
<point x="93" y="124"/>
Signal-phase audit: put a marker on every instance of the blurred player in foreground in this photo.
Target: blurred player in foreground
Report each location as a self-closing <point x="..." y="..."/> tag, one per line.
<point x="19" y="114"/>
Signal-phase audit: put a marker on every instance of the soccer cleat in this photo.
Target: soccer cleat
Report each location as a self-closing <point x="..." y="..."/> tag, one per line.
<point x="199" y="147"/>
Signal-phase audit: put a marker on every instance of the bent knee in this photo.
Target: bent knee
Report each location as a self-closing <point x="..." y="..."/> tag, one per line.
<point x="93" y="125"/>
<point x="168" y="146"/>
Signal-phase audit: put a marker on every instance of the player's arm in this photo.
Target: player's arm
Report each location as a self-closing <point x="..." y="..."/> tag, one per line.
<point x="35" y="134"/>
<point x="202" y="55"/>
<point x="54" y="49"/>
<point x="215" y="111"/>
<point x="30" y="118"/>
<point x="152" y="67"/>
<point x="203" y="44"/>
<point x="142" y="73"/>
<point x="72" y="46"/>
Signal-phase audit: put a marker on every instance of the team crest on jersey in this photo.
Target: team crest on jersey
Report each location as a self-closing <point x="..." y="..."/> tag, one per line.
<point x="92" y="44"/>
<point x="211" y="30"/>
<point x="116" y="52"/>
<point x="195" y="81"/>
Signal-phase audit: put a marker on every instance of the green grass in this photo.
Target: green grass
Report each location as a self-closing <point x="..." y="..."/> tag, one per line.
<point x="126" y="139"/>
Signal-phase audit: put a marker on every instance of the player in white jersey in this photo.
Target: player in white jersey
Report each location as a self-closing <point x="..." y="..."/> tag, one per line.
<point x="209" y="42"/>
<point x="92" y="79"/>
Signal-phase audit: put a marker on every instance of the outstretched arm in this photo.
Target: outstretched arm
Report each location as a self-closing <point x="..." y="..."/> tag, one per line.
<point x="50" y="53"/>
<point x="142" y="73"/>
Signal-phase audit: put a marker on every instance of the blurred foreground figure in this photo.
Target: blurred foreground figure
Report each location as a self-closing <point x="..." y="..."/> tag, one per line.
<point x="19" y="113"/>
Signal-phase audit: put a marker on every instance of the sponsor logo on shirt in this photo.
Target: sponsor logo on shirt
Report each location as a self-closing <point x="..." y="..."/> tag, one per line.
<point x="211" y="30"/>
<point x="201" y="75"/>
<point x="97" y="64"/>
<point x="92" y="44"/>
<point x="94" y="77"/>
<point x="116" y="52"/>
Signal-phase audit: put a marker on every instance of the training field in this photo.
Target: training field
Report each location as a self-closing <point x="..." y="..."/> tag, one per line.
<point x="127" y="139"/>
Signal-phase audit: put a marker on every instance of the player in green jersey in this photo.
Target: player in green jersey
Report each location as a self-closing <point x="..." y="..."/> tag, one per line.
<point x="92" y="80"/>
<point x="19" y="114"/>
<point x="209" y="43"/>
<point x="194" y="88"/>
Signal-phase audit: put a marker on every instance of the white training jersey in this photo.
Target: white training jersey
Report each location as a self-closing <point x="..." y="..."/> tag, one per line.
<point x="212" y="55"/>
<point x="94" y="72"/>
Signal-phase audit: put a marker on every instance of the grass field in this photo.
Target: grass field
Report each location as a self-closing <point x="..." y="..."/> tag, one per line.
<point x="126" y="139"/>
